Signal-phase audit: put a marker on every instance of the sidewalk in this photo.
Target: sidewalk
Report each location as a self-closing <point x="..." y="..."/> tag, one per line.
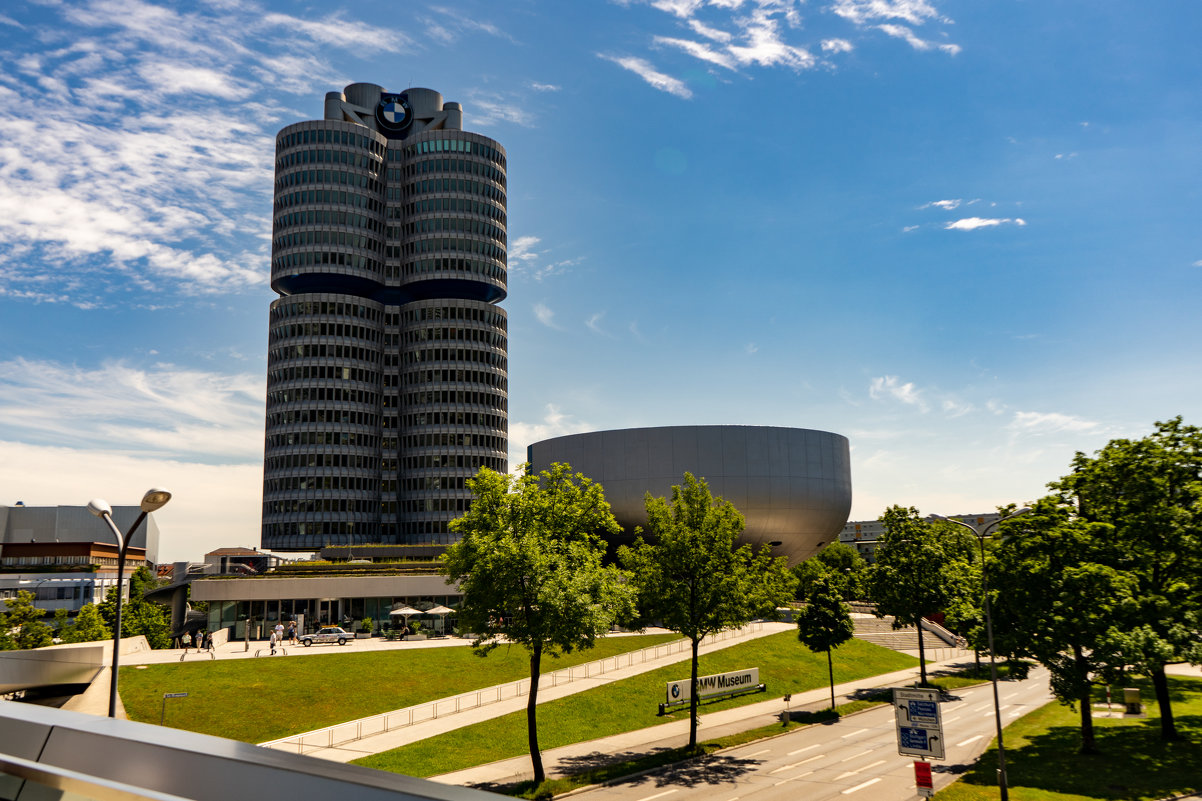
<point x="561" y="761"/>
<point x="384" y="741"/>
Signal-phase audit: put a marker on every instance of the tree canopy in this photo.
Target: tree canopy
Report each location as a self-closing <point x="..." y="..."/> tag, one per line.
<point x="138" y="616"/>
<point x="22" y="625"/>
<point x="824" y="624"/>
<point x="529" y="565"/>
<point x="692" y="575"/>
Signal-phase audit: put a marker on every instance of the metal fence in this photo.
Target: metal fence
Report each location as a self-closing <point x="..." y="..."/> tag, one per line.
<point x="343" y="733"/>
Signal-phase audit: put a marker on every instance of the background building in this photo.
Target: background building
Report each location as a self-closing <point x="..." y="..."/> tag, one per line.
<point x="863" y="535"/>
<point x="793" y="485"/>
<point x="387" y="374"/>
<point x="67" y="557"/>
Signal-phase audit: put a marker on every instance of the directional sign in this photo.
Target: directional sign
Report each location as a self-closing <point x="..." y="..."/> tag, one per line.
<point x="919" y="727"/>
<point x="175" y="695"/>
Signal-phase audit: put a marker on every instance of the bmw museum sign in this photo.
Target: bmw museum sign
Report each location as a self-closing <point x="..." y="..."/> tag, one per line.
<point x="738" y="681"/>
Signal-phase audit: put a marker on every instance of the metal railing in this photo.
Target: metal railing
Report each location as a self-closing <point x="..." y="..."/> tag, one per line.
<point x="351" y="731"/>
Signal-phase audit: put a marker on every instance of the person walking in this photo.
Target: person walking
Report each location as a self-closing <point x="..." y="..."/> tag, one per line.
<point x="292" y="632"/>
<point x="274" y="639"/>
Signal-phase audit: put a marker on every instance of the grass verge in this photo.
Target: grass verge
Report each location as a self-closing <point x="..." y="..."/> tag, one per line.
<point x="1044" y="762"/>
<point x="261" y="699"/>
<point x="629" y="704"/>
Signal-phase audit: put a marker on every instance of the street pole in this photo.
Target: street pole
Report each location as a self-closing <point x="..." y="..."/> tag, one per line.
<point x="997" y="708"/>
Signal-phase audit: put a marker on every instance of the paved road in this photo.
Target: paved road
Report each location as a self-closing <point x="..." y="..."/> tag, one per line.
<point x="854" y="758"/>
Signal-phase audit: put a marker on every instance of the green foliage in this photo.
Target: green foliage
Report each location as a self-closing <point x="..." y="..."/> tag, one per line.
<point x="693" y="579"/>
<point x="88" y="626"/>
<point x="919" y="570"/>
<point x="824" y="624"/>
<point x="138" y="616"/>
<point x="22" y="627"/>
<point x="837" y="563"/>
<point x="529" y="565"/>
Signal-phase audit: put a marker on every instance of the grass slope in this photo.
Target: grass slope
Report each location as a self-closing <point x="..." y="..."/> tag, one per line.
<point x="1043" y="762"/>
<point x="785" y="666"/>
<point x="261" y="699"/>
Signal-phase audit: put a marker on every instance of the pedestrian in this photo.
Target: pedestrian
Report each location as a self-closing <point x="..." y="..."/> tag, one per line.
<point x="279" y="632"/>
<point x="273" y="641"/>
<point x="292" y="632"/>
<point x="207" y="643"/>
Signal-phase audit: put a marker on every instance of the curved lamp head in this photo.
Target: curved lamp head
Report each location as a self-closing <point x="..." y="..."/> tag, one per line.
<point x="154" y="499"/>
<point x="99" y="507"/>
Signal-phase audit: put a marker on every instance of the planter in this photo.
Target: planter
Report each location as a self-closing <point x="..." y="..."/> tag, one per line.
<point x="363" y="635"/>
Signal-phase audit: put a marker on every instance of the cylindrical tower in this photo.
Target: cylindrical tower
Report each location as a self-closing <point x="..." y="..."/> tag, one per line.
<point x="387" y="373"/>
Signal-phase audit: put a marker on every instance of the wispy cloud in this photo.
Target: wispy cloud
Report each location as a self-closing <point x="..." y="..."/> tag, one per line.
<point x="645" y="70"/>
<point x="526" y="260"/>
<point x="544" y="314"/>
<point x="544" y="87"/>
<point x="943" y="204"/>
<point x="909" y="37"/>
<point x="862" y="12"/>
<point x="594" y="324"/>
<point x="890" y="386"/>
<point x="1040" y="423"/>
<point x="973" y="223"/>
<point x="554" y="424"/>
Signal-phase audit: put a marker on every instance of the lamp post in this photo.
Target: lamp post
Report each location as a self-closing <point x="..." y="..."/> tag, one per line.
<point x="153" y="500"/>
<point x="997" y="709"/>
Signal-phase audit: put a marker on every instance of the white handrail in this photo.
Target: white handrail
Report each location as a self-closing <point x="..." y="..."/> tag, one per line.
<point x="343" y="733"/>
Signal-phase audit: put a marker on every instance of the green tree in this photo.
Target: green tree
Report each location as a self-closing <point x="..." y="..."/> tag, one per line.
<point x="693" y="579"/>
<point x="919" y="571"/>
<point x="1057" y="600"/>
<point x="23" y="624"/>
<point x="824" y="624"/>
<point x="88" y="626"/>
<point x="838" y="563"/>
<point x="138" y="616"/>
<point x="1150" y="492"/>
<point x="529" y="565"/>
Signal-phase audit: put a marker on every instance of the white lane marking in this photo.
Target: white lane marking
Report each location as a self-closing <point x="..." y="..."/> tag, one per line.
<point x="988" y="714"/>
<point x="1014" y="714"/>
<point x="857" y="770"/>
<point x="868" y="783"/>
<point x="811" y="759"/>
<point x="660" y="795"/>
<point x="952" y="720"/>
<point x="981" y="706"/>
<point x="970" y="740"/>
<point x="852" y="734"/>
<point x="853" y="756"/>
<point x="807" y="748"/>
<point x="1011" y="695"/>
<point x="753" y="753"/>
<point x="793" y="779"/>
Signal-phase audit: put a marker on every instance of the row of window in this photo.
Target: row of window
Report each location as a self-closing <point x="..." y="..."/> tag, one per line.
<point x="458" y="244"/>
<point x="347" y="438"/>
<point x="326" y="237"/>
<point x="437" y="225"/>
<point x="455" y="396"/>
<point x="348" y="158"/>
<point x="458" y="460"/>
<point x="425" y="266"/>
<point x="338" y="394"/>
<point x="455" y="418"/>
<point x="437" y="505"/>
<point x="449" y="146"/>
<point x="330" y="136"/>
<point x="291" y="461"/>
<point x="329" y="196"/>
<point x="435" y="185"/>
<point x="324" y="372"/>
<point x="324" y="529"/>
<point x="427" y="166"/>
<point x="478" y="314"/>
<point x="469" y="376"/>
<point x="307" y="258"/>
<point x="288" y="330"/>
<point x="309" y="505"/>
<point x="328" y="217"/>
<point x="433" y="205"/>
<point x="454" y="355"/>
<point x="306" y="308"/>
<point x="324" y="351"/>
<point x="340" y="177"/>
<point x="293" y="416"/>
<point x="443" y="439"/>
<point x="465" y="334"/>
<point x="345" y="483"/>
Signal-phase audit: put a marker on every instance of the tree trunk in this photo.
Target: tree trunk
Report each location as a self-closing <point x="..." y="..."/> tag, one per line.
<point x="536" y="757"/>
<point x="1088" y="744"/>
<point x="693" y="699"/>
<point x="1160" y="682"/>
<point x="922" y="658"/>
<point x="830" y="669"/>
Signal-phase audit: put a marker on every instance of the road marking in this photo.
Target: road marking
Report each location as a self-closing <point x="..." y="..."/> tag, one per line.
<point x="857" y="770"/>
<point x="982" y="706"/>
<point x="970" y="740"/>
<point x="792" y="779"/>
<point x="868" y="783"/>
<point x="660" y="795"/>
<point x="807" y="748"/>
<point x="853" y="756"/>
<point x="753" y="753"/>
<point x="1011" y="695"/>
<point x="852" y="734"/>
<point x="811" y="759"/>
<point x="1014" y="714"/>
<point x="950" y="720"/>
<point x="796" y="764"/>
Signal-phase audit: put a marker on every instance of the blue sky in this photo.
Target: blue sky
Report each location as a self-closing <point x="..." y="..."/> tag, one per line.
<point x="964" y="235"/>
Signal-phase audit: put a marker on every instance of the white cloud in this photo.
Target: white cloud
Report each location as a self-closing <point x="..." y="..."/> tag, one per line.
<point x="524" y="260"/>
<point x="973" y="223"/>
<point x="699" y="51"/>
<point x="554" y="424"/>
<point x="655" y="78"/>
<point x="1040" y="423"/>
<point x="751" y="348"/>
<point x="544" y="87"/>
<point x="492" y="108"/>
<point x="1198" y="263"/>
<point x="907" y="229"/>
<point x="836" y="46"/>
<point x="860" y="12"/>
<point x="890" y="386"/>
<point x="910" y="38"/>
<point x="955" y="408"/>
<point x="942" y="204"/>
<point x="544" y="315"/>
<point x="594" y="324"/>
<point x="701" y="29"/>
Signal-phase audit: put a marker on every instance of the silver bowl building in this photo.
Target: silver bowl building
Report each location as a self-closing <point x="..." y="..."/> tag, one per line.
<point x="793" y="485"/>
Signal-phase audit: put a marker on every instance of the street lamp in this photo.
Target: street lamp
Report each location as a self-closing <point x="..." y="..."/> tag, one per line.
<point x="153" y="500"/>
<point x="997" y="709"/>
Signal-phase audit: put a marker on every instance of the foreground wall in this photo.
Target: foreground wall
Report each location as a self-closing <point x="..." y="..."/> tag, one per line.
<point x="792" y="484"/>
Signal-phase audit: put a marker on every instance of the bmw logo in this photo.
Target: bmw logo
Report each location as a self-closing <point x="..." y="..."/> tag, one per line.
<point x="392" y="112"/>
<point x="675" y="690"/>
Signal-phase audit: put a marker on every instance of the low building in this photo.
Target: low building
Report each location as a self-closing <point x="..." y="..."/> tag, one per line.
<point x="864" y="535"/>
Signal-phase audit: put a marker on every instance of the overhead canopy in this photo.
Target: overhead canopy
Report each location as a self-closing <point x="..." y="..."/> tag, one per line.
<point x="405" y="611"/>
<point x="438" y="610"/>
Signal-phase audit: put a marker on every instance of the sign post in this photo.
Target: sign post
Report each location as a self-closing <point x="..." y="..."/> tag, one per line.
<point x="919" y="726"/>
<point x="163" y="714"/>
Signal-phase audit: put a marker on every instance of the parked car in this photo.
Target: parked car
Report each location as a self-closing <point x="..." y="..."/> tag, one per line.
<point x="327" y="635"/>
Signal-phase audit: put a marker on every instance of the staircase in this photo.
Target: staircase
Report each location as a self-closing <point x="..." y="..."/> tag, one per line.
<point x="880" y="631"/>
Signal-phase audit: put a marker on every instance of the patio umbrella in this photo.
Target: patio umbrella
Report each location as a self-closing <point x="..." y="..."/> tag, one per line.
<point x="405" y="610"/>
<point x="441" y="611"/>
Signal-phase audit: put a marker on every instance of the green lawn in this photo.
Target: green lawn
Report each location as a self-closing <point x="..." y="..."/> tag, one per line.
<point x="254" y="700"/>
<point x="785" y="666"/>
<point x="1043" y="763"/>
